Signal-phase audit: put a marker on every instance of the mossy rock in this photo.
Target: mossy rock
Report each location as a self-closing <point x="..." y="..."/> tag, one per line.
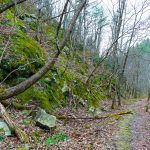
<point x="36" y="94"/>
<point x="25" y="55"/>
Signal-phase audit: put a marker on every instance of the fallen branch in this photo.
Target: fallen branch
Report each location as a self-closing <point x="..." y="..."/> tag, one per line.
<point x="18" y="105"/>
<point x="14" y="127"/>
<point x="96" y="117"/>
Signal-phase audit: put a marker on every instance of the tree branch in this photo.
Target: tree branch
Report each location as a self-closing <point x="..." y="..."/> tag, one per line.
<point x="10" y="4"/>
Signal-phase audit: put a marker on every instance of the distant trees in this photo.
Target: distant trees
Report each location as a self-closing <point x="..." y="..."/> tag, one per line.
<point x="138" y="68"/>
<point x="124" y="37"/>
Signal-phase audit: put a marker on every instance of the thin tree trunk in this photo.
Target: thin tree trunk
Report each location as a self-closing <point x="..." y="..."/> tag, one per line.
<point x="114" y="94"/>
<point x="119" y="94"/>
<point x="113" y="103"/>
<point x="148" y="100"/>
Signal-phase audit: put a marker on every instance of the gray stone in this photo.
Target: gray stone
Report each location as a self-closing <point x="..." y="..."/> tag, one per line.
<point x="5" y="128"/>
<point x="95" y="111"/>
<point x="45" y="120"/>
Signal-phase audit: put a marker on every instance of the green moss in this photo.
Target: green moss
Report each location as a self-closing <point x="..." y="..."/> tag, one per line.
<point x="2" y="89"/>
<point x="38" y="95"/>
<point x="18" y="106"/>
<point x="43" y="99"/>
<point x="25" y="96"/>
<point x="36" y="137"/>
<point x="27" y="49"/>
<point x="124" y="135"/>
<point x="26" y="56"/>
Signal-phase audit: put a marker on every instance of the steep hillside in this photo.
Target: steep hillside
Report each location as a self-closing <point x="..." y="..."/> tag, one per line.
<point x="22" y="55"/>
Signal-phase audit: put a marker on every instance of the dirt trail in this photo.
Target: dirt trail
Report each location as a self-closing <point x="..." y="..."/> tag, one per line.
<point x="140" y="127"/>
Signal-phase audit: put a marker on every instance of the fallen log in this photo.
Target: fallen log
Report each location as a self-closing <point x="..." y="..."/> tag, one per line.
<point x="14" y="127"/>
<point x="96" y="117"/>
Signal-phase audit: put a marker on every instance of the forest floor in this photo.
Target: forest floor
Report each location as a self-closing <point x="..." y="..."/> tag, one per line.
<point x="128" y="132"/>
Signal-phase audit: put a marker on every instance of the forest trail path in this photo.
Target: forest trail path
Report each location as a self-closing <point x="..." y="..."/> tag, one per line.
<point x="140" y="127"/>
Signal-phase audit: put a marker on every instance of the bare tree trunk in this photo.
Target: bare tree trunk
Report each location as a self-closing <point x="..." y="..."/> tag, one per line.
<point x="113" y="103"/>
<point x="116" y="32"/>
<point x="119" y="94"/>
<point x="148" y="100"/>
<point x="114" y="95"/>
<point x="38" y="33"/>
<point x="91" y="74"/>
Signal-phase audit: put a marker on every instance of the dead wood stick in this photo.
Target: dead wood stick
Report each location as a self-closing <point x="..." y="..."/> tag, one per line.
<point x="96" y="117"/>
<point x="14" y="127"/>
<point x="18" y="105"/>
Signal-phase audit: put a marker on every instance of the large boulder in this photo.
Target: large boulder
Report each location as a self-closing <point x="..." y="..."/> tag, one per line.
<point x="44" y="120"/>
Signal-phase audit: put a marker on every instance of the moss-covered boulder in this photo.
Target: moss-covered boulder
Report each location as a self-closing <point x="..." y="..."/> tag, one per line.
<point x="45" y="120"/>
